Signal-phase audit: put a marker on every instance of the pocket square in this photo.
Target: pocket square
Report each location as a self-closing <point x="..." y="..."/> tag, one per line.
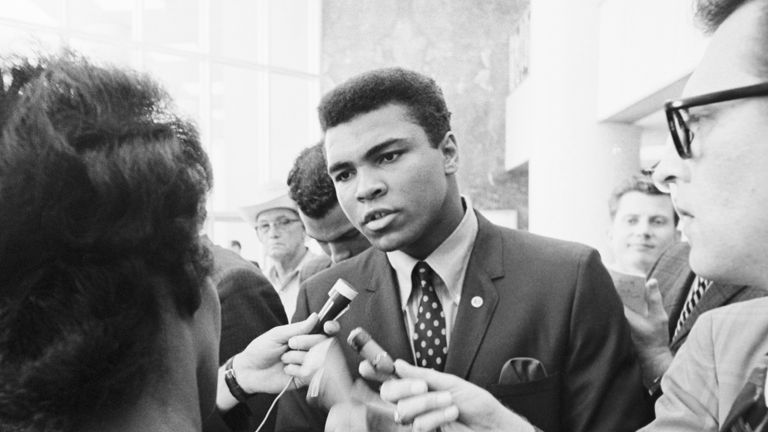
<point x="520" y="370"/>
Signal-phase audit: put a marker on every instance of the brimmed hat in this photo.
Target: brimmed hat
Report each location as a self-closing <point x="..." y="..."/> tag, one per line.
<point x="270" y="196"/>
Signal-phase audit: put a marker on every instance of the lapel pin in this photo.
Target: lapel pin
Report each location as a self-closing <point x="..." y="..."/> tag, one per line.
<point x="476" y="301"/>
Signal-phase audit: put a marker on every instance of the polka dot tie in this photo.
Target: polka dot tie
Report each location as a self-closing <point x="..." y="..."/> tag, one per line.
<point x="429" y="340"/>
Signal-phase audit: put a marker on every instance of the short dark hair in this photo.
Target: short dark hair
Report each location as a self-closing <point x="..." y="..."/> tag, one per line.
<point x="103" y="196"/>
<point x="309" y="183"/>
<point x="710" y="14"/>
<point x="636" y="183"/>
<point x="372" y="90"/>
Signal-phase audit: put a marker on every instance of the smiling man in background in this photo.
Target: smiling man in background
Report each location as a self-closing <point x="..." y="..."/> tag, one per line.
<point x="643" y="225"/>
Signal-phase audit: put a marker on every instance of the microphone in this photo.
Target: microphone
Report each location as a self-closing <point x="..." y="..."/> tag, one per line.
<point x="363" y="343"/>
<point x="339" y="297"/>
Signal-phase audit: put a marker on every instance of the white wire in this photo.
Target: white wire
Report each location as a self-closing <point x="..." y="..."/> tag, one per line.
<point x="269" y="411"/>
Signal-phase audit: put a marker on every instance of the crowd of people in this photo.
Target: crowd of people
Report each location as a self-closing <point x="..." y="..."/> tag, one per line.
<point x="117" y="314"/>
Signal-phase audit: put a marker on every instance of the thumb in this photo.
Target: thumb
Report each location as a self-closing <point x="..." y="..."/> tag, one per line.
<point x="282" y="333"/>
<point x="653" y="297"/>
<point x="435" y="380"/>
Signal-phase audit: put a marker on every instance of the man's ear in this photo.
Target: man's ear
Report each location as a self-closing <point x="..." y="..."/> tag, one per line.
<point x="450" y="151"/>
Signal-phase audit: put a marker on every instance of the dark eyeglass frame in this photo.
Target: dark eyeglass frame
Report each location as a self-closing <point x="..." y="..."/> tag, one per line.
<point x="681" y="133"/>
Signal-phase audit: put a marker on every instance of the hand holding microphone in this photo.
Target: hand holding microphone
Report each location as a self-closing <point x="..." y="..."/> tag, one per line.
<point x="339" y="298"/>
<point x="378" y="364"/>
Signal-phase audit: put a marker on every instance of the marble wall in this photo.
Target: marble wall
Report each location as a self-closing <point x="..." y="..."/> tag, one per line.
<point x="464" y="45"/>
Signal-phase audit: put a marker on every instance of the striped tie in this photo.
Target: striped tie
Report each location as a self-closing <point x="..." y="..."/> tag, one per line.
<point x="694" y="295"/>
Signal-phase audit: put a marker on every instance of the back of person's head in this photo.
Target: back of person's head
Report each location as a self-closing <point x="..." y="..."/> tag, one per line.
<point x="636" y="183"/>
<point x="310" y="185"/>
<point x="372" y="90"/>
<point x="103" y="192"/>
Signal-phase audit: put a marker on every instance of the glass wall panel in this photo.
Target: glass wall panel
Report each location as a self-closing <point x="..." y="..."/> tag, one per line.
<point x="235" y="30"/>
<point x="289" y="38"/>
<point x="235" y="126"/>
<point x="180" y="76"/>
<point x="172" y="23"/>
<point x="293" y="121"/>
<point x="108" y="18"/>
<point x="42" y="12"/>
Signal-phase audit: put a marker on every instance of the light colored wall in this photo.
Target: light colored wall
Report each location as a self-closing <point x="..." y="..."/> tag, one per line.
<point x="596" y="68"/>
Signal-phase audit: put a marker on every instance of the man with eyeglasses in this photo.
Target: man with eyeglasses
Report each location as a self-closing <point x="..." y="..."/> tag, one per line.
<point x="282" y="235"/>
<point x="718" y="177"/>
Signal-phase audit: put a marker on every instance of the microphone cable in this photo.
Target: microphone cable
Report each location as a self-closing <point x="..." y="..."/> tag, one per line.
<point x="274" y="402"/>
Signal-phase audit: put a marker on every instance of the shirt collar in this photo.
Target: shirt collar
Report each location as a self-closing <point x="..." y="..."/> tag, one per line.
<point x="449" y="260"/>
<point x="272" y="271"/>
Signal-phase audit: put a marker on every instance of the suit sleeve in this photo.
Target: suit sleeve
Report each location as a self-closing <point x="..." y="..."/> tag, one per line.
<point x="249" y="307"/>
<point x="294" y="414"/>
<point x="603" y="388"/>
<point x="690" y="400"/>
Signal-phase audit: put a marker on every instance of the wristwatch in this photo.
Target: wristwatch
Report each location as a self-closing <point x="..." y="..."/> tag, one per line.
<point x="231" y="379"/>
<point x="654" y="389"/>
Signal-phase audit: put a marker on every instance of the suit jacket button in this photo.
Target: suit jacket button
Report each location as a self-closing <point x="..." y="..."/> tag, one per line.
<point x="476" y="301"/>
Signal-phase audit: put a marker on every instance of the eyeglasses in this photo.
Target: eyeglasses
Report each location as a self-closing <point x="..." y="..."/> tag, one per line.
<point x="677" y="112"/>
<point x="278" y="225"/>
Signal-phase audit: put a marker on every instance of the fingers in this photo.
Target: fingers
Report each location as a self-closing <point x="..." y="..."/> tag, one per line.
<point x="434" y="419"/>
<point x="367" y="371"/>
<point x="634" y="318"/>
<point x="408" y="409"/>
<point x="283" y="333"/>
<point x="331" y="328"/>
<point x="434" y="379"/>
<point x="653" y="296"/>
<point x="293" y="357"/>
<point x="305" y="342"/>
<point x="395" y="390"/>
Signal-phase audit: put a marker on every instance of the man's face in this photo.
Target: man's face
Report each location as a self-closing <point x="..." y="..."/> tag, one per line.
<point x="642" y="228"/>
<point x="335" y="234"/>
<point x="391" y="183"/>
<point x="721" y="193"/>
<point x="285" y="236"/>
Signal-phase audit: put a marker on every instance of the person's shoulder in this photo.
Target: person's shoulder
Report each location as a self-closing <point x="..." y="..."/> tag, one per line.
<point x="228" y="265"/>
<point x="356" y="270"/>
<point x="529" y="243"/>
<point x="313" y="265"/>
<point x="749" y="311"/>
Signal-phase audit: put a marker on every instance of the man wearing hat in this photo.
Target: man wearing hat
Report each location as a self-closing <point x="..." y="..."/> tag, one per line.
<point x="277" y="224"/>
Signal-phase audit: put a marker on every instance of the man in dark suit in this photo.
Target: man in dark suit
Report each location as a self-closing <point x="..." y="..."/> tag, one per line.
<point x="445" y="288"/>
<point x="249" y="307"/>
<point x="671" y="315"/>
<point x="324" y="221"/>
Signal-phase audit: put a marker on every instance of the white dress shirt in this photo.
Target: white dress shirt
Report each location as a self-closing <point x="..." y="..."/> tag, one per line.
<point x="449" y="262"/>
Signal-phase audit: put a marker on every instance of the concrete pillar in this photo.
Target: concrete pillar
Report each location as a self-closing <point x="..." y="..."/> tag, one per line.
<point x="574" y="160"/>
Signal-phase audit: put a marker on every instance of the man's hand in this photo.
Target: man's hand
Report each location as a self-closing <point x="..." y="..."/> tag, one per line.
<point x="429" y="399"/>
<point x="650" y="334"/>
<point x="259" y="368"/>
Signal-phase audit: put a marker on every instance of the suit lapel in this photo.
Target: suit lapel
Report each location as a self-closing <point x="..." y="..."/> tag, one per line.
<point x="479" y="297"/>
<point x="383" y="315"/>
<point x="675" y="278"/>
<point x="716" y="295"/>
<point x="748" y="408"/>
